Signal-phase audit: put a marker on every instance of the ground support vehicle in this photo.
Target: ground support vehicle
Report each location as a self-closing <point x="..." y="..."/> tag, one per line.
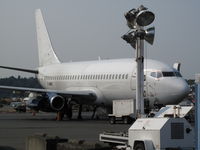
<point x="122" y="110"/>
<point x="162" y="133"/>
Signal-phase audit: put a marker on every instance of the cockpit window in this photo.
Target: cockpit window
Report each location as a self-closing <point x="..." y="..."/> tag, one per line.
<point x="168" y="74"/>
<point x="153" y="74"/>
<point x="159" y="74"/>
<point x="156" y="74"/>
<point x="178" y="74"/>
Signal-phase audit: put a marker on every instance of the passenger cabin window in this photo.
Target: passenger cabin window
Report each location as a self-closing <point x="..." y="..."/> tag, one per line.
<point x="126" y="76"/>
<point x="96" y="76"/>
<point x="116" y="76"/>
<point x="123" y="76"/>
<point x="113" y="76"/>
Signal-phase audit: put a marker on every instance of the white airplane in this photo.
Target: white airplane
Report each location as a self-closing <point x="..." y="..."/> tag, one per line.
<point x="97" y="82"/>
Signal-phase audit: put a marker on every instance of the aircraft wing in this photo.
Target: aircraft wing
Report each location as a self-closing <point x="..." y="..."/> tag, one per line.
<point x="61" y="92"/>
<point x="20" y="69"/>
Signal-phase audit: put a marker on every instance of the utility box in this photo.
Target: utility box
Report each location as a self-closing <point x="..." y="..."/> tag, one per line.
<point x="122" y="110"/>
<point x="161" y="133"/>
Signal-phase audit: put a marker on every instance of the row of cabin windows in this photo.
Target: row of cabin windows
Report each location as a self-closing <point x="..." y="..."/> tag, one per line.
<point x="88" y="77"/>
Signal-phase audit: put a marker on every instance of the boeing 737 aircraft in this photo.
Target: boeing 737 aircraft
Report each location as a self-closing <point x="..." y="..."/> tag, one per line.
<point x="97" y="82"/>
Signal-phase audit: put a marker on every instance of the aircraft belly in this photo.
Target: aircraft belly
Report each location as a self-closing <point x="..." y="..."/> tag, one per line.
<point x="108" y="90"/>
<point x="113" y="91"/>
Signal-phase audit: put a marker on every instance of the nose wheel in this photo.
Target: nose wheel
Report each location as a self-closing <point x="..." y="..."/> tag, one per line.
<point x="69" y="111"/>
<point x="80" y="112"/>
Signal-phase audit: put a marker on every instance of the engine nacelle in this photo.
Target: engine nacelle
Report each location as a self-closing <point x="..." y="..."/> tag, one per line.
<point x="57" y="102"/>
<point x="47" y="102"/>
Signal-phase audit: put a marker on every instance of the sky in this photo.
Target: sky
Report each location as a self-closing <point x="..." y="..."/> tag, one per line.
<point x="83" y="30"/>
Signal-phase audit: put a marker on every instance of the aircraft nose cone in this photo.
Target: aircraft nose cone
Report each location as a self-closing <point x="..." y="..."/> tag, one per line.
<point x="181" y="88"/>
<point x="172" y="91"/>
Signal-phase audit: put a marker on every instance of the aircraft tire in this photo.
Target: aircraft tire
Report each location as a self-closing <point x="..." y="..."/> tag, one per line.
<point x="112" y="120"/>
<point x="126" y="120"/>
<point x="69" y="112"/>
<point x="139" y="146"/>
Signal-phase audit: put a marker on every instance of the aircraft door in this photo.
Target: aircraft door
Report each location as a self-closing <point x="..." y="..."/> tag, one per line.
<point x="133" y="81"/>
<point x="151" y="86"/>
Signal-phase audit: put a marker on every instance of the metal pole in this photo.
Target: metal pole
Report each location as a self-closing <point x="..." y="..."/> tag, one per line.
<point x="136" y="20"/>
<point x="197" y="112"/>
<point x="140" y="77"/>
<point x="137" y="78"/>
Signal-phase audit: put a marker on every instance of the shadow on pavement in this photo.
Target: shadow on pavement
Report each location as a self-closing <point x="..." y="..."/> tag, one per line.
<point x="6" y="148"/>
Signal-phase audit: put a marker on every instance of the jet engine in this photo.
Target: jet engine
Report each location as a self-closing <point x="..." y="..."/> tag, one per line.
<point x="48" y="102"/>
<point x="57" y="102"/>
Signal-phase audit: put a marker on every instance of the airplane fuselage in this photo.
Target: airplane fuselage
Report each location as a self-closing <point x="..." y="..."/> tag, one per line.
<point x="115" y="79"/>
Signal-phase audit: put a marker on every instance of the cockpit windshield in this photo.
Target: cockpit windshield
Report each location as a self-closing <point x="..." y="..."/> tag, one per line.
<point x="168" y="74"/>
<point x="158" y="74"/>
<point x="178" y="74"/>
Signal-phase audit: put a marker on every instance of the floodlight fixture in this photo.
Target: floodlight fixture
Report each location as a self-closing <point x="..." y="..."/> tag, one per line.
<point x="139" y="17"/>
<point x="130" y="17"/>
<point x="130" y="38"/>
<point x="149" y="35"/>
<point x="145" y="18"/>
<point x="141" y="8"/>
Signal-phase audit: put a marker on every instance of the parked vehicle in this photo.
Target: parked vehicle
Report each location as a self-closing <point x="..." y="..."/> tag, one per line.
<point x="122" y="110"/>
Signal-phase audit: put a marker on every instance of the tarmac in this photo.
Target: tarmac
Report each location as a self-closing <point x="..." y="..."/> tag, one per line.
<point x="16" y="127"/>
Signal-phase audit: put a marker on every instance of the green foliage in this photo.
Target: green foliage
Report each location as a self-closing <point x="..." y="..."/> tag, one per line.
<point x="191" y="82"/>
<point x="18" y="82"/>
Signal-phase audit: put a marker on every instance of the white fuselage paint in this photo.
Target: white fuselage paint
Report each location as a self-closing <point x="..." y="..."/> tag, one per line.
<point x="114" y="79"/>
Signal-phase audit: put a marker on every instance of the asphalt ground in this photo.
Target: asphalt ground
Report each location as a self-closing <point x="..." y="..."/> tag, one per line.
<point x="16" y="127"/>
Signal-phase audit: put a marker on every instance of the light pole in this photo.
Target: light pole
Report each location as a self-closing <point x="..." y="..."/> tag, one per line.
<point x="197" y="111"/>
<point x="136" y="20"/>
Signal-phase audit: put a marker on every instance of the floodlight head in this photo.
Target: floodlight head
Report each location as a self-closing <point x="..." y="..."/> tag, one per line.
<point x="141" y="8"/>
<point x="133" y="44"/>
<point x="144" y="18"/>
<point x="130" y="38"/>
<point x="149" y="35"/>
<point x="136" y="20"/>
<point x="130" y="15"/>
<point x="130" y="18"/>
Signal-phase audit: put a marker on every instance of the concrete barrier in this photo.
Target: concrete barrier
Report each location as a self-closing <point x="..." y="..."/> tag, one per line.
<point x="43" y="142"/>
<point x="82" y="145"/>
